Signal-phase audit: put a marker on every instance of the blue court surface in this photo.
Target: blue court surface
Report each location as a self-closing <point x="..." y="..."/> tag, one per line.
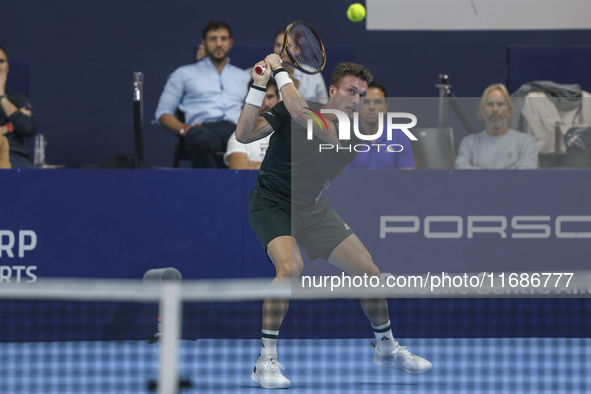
<point x="526" y="365"/>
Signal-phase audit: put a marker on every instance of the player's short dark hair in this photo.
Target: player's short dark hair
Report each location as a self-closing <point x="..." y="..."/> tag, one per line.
<point x="378" y="85"/>
<point x="3" y="50"/>
<point x="354" y="69"/>
<point x="280" y="31"/>
<point x="215" y="25"/>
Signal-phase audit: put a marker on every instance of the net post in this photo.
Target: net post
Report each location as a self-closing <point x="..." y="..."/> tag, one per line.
<point x="168" y="370"/>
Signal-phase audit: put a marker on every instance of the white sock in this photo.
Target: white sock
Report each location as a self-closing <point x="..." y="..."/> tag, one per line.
<point x="384" y="339"/>
<point x="269" y="346"/>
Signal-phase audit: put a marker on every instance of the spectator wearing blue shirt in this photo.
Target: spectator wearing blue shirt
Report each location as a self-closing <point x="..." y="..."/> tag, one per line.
<point x="210" y="94"/>
<point x="378" y="157"/>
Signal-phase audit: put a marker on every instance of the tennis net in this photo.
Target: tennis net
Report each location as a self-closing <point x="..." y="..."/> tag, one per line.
<point x="87" y="336"/>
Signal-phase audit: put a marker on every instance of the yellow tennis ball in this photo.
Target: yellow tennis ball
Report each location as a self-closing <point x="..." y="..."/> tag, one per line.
<point x="356" y="12"/>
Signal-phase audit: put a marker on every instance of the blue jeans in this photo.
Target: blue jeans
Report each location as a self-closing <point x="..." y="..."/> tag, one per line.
<point x="202" y="142"/>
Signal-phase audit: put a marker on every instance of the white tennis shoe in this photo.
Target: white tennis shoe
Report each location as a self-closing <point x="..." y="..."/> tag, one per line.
<point x="401" y="359"/>
<point x="268" y="374"/>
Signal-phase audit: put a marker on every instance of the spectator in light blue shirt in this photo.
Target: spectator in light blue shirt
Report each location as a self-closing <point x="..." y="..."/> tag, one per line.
<point x="383" y="153"/>
<point x="210" y="94"/>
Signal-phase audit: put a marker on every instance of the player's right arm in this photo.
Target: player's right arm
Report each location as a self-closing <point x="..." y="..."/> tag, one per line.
<point x="251" y="126"/>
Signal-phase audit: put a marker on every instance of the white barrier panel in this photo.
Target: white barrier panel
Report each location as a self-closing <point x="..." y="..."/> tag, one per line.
<point x="478" y="14"/>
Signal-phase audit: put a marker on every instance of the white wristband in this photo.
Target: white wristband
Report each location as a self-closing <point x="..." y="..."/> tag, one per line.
<point x="256" y="95"/>
<point x="282" y="78"/>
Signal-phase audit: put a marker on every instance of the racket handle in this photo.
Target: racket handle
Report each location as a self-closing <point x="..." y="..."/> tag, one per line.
<point x="260" y="70"/>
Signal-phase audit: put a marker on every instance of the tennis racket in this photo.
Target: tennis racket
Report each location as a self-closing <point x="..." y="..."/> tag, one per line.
<point x="304" y="49"/>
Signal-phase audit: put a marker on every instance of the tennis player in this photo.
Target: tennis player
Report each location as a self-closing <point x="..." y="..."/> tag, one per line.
<point x="286" y="218"/>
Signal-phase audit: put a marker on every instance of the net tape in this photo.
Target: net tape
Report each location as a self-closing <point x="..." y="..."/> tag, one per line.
<point x="430" y="285"/>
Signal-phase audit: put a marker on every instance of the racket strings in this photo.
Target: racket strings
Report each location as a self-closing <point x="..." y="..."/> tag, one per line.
<point x="306" y="48"/>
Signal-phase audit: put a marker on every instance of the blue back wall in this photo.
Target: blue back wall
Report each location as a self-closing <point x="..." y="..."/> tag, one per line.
<point x="119" y="224"/>
<point x="82" y="56"/>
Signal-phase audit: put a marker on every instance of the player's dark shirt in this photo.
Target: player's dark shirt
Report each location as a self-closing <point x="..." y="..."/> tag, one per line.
<point x="294" y="171"/>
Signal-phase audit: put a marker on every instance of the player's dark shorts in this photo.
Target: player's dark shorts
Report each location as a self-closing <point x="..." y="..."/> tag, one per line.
<point x="317" y="229"/>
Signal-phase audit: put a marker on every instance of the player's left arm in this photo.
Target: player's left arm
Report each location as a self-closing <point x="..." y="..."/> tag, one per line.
<point x="251" y="127"/>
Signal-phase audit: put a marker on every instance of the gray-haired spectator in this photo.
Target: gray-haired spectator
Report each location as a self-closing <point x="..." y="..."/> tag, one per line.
<point x="497" y="147"/>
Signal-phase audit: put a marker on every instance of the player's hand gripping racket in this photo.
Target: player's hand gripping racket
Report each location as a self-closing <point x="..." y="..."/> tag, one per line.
<point x="304" y="49"/>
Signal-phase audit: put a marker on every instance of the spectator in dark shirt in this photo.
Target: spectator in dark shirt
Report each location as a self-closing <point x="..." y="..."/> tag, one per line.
<point x="16" y="119"/>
